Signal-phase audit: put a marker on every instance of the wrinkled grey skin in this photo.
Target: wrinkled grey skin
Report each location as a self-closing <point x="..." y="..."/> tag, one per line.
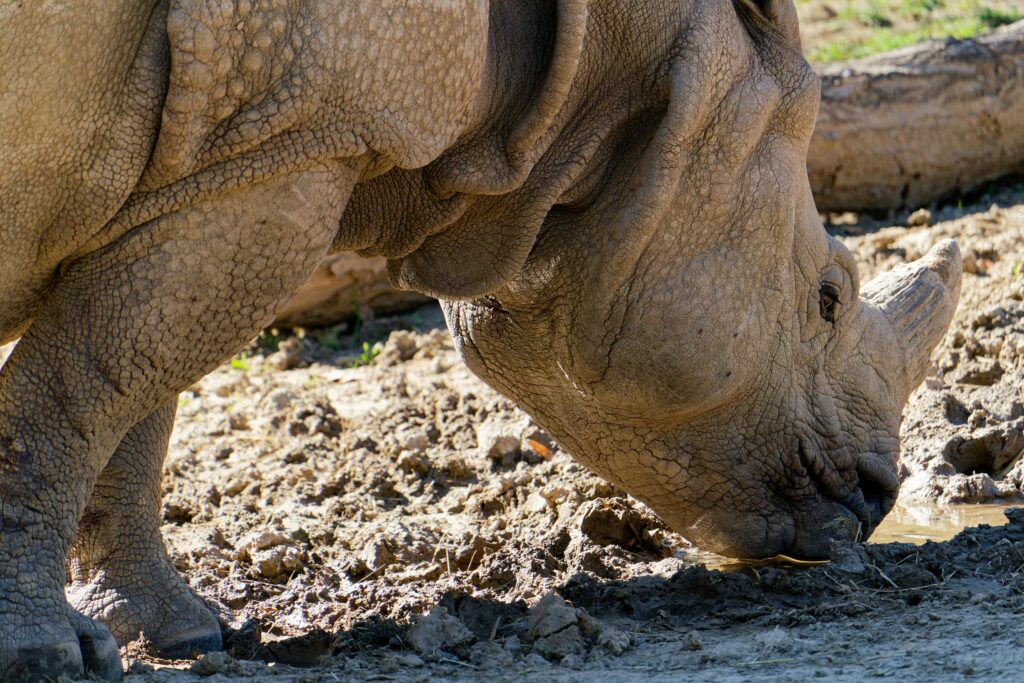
<point x="610" y="196"/>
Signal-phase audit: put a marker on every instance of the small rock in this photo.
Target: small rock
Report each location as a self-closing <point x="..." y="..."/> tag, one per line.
<point x="377" y="554"/>
<point x="233" y="593"/>
<point x="572" y="661"/>
<point x="490" y="654"/>
<point x="213" y="663"/>
<point x="590" y="628"/>
<point x="500" y="438"/>
<point x="400" y="347"/>
<point x="554" y="629"/>
<point x="535" y="660"/>
<point x="287" y="356"/>
<point x="400" y="660"/>
<point x="309" y="649"/>
<point x="408" y="659"/>
<point x="413" y="440"/>
<point x="986" y="372"/>
<point x="555" y="494"/>
<point x="920" y="218"/>
<point x="550" y="615"/>
<point x="268" y="539"/>
<point x="412" y="462"/>
<point x="616" y="523"/>
<point x="497" y="446"/>
<point x="438" y="630"/>
<point x="535" y="503"/>
<point x="613" y="641"/>
<point x="692" y="642"/>
<point x="275" y="561"/>
<point x="281" y="399"/>
<point x="137" y="668"/>
<point x="971" y="488"/>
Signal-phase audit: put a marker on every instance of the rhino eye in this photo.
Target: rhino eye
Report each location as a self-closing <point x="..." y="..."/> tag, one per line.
<point x="828" y="302"/>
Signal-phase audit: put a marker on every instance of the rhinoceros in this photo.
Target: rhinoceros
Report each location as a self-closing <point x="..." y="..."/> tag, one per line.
<point x="609" y="197"/>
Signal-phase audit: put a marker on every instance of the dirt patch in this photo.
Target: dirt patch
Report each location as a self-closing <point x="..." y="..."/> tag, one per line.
<point x="324" y="495"/>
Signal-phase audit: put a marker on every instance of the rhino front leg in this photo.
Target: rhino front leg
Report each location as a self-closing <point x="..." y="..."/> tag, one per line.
<point x="124" y="330"/>
<point x="120" y="572"/>
<point x="49" y="458"/>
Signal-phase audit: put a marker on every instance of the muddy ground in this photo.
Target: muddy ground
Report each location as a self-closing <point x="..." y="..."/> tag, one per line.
<point x="401" y="521"/>
<point x="963" y="430"/>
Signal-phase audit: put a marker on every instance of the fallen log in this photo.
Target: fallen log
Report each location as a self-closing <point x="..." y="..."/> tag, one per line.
<point x="341" y="287"/>
<point x="903" y="129"/>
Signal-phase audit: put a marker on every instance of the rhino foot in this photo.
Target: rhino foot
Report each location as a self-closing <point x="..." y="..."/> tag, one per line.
<point x="191" y="643"/>
<point x="156" y="603"/>
<point x="92" y="651"/>
<point x="100" y="656"/>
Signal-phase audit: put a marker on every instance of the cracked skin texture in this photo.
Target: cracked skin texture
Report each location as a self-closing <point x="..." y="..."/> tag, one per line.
<point x="610" y="197"/>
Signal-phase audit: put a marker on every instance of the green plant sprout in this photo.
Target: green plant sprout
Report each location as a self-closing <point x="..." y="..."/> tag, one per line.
<point x="368" y="354"/>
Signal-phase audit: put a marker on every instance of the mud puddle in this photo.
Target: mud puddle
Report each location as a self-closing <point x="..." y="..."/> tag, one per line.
<point x="915" y="524"/>
<point x="918" y="524"/>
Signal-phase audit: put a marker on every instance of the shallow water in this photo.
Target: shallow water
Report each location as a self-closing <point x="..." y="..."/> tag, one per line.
<point x="905" y="524"/>
<point x="917" y="524"/>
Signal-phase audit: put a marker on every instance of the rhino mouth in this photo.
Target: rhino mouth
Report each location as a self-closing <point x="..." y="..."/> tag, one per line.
<point x="871" y="497"/>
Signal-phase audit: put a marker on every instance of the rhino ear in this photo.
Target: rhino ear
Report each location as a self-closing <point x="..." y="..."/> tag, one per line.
<point x="517" y="124"/>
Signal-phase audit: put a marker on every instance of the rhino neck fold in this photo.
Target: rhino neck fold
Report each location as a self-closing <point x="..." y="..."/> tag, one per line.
<point x="565" y="91"/>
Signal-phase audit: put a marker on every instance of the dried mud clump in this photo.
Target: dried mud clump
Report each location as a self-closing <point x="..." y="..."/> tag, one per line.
<point x="368" y="503"/>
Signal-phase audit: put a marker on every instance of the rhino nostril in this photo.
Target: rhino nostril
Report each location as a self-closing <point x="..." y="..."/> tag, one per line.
<point x="873" y="498"/>
<point x="879" y="496"/>
<point x="870" y="501"/>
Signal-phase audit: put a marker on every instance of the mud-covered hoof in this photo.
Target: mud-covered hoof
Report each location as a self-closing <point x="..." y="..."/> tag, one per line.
<point x="177" y="622"/>
<point x="99" y="653"/>
<point x="191" y="644"/>
<point x="38" y="665"/>
<point x="101" y="658"/>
